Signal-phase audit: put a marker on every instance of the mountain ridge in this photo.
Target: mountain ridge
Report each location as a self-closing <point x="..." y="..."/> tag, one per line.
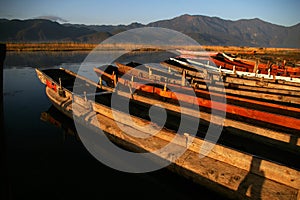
<point x="204" y="29"/>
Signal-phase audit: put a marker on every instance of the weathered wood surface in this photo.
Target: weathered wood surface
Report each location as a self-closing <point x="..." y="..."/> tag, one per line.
<point x="211" y="86"/>
<point x="251" y="92"/>
<point x="230" y="172"/>
<point x="260" y="83"/>
<point x="252" y="113"/>
<point x="196" y="72"/>
<point x="214" y="82"/>
<point x="241" y="67"/>
<point x="176" y="84"/>
<point x="274" y="138"/>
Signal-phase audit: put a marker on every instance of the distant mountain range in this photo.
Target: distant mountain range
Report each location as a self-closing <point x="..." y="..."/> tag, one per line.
<point x="205" y="30"/>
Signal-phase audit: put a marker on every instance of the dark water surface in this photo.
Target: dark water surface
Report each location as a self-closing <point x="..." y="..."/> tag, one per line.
<point x="46" y="160"/>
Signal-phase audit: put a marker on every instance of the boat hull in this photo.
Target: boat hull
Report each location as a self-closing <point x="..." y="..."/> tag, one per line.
<point x="239" y="167"/>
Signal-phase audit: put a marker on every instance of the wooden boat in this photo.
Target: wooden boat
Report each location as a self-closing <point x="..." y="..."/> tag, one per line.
<point x="197" y="53"/>
<point x="188" y="80"/>
<point x="150" y="72"/>
<point x="67" y="78"/>
<point x="280" y="90"/>
<point x="196" y="69"/>
<point x="148" y="97"/>
<point x="238" y="165"/>
<point x="237" y="107"/>
<point x="230" y="62"/>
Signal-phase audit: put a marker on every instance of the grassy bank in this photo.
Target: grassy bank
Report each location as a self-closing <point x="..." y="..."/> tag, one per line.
<point x="49" y="46"/>
<point x="86" y="46"/>
<point x="265" y="54"/>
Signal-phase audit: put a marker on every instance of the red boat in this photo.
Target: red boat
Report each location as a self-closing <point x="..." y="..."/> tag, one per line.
<point x="276" y="114"/>
<point x="230" y="62"/>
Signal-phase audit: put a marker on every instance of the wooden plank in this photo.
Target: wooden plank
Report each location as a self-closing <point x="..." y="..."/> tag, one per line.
<point x="142" y="75"/>
<point x="256" y="85"/>
<point x="231" y="78"/>
<point x="283" y="138"/>
<point x="276" y="138"/>
<point x="213" y="94"/>
<point x="260" y="83"/>
<point x="232" y="163"/>
<point x="255" y="88"/>
<point x="232" y="109"/>
<point x="224" y="154"/>
<point x="259" y="95"/>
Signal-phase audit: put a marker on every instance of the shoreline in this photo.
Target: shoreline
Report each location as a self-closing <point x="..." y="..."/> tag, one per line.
<point x="141" y="47"/>
<point x="263" y="54"/>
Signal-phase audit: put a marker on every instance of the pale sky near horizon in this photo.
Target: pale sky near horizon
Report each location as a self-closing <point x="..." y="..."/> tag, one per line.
<point x="114" y="12"/>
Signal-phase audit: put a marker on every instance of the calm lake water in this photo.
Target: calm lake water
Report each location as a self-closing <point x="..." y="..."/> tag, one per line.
<point x="46" y="160"/>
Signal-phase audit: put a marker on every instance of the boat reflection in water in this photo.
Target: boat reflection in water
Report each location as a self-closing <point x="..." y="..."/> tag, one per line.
<point x="56" y="118"/>
<point x="87" y="171"/>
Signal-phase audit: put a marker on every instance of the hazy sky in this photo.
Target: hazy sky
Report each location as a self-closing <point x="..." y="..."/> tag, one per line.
<point x="281" y="12"/>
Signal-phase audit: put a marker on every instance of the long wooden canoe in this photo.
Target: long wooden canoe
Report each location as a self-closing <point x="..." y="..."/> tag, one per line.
<point x="268" y="112"/>
<point x="229" y="62"/>
<point x="239" y="167"/>
<point x="196" y="69"/>
<point x="176" y="79"/>
<point x="268" y="136"/>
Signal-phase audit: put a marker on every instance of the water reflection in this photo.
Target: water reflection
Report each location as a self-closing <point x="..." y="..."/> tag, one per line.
<point x="57" y="119"/>
<point x="43" y="58"/>
<point x="45" y="158"/>
<point x="163" y="182"/>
